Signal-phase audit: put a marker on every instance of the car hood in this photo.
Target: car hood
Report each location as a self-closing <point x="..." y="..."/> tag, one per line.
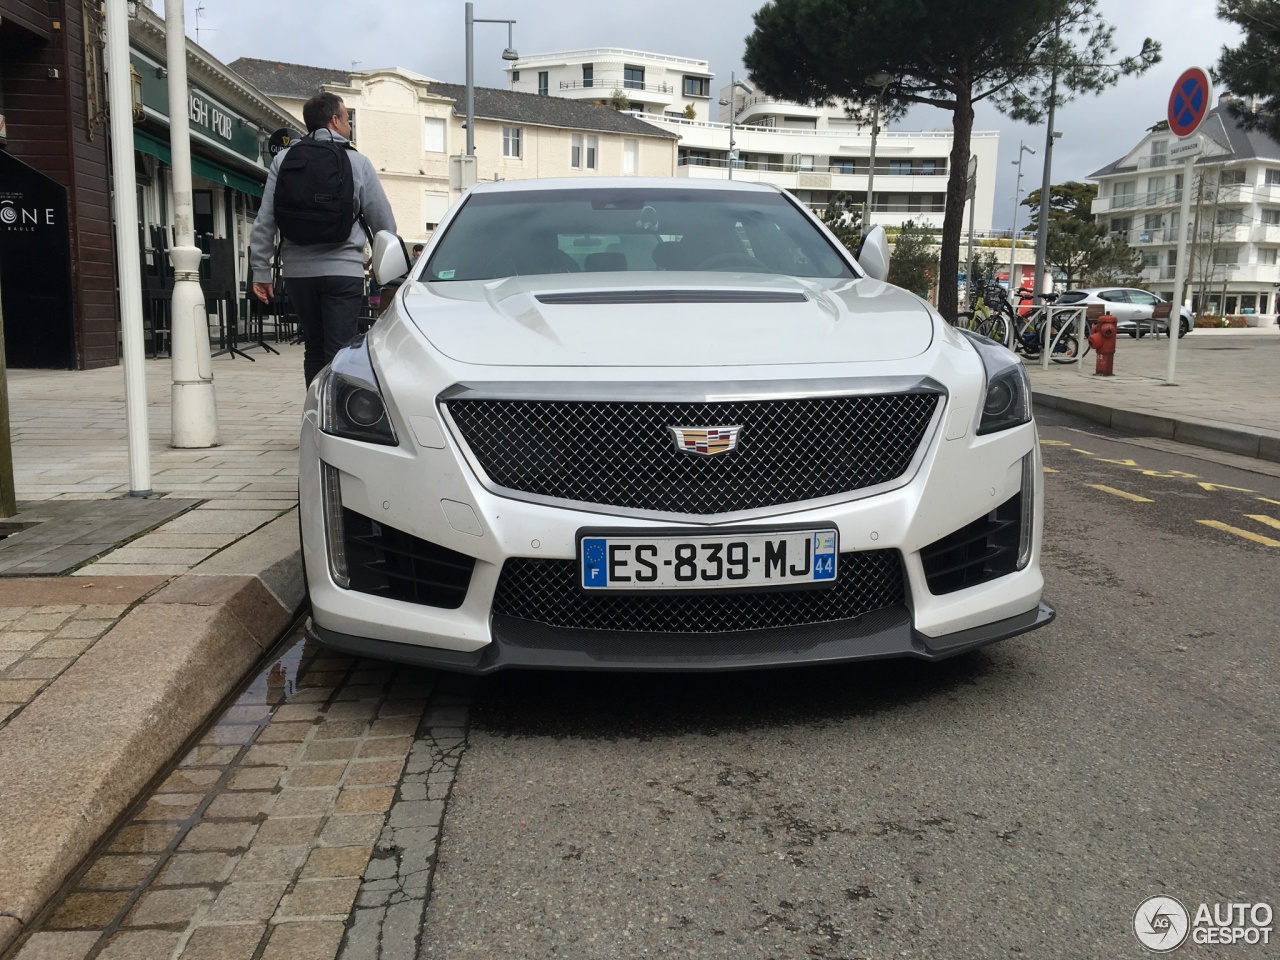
<point x="669" y="319"/>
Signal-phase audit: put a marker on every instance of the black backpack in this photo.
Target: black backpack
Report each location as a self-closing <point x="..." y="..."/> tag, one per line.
<point x="315" y="192"/>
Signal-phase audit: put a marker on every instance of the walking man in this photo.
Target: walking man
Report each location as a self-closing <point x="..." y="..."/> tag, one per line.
<point x="325" y="200"/>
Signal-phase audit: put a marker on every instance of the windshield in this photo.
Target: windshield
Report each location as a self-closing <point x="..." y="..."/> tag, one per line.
<point x="631" y="230"/>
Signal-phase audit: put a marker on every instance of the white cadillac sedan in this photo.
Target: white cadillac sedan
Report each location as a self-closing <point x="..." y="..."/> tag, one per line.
<point x="664" y="425"/>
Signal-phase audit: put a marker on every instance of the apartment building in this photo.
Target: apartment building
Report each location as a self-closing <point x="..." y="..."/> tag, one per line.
<point x="410" y="126"/>
<point x="730" y="130"/>
<point x="1234" y="228"/>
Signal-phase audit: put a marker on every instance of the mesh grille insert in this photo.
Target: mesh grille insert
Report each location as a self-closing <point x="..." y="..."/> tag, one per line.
<point x="623" y="454"/>
<point x="546" y="591"/>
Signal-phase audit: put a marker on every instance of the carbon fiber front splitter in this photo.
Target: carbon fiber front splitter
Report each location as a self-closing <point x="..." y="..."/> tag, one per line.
<point x="522" y="644"/>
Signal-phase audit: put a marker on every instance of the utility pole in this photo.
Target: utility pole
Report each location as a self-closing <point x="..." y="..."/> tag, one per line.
<point x="194" y="408"/>
<point x="1042" y="234"/>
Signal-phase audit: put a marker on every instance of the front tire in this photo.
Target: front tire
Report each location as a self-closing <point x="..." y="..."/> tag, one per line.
<point x="1183" y="328"/>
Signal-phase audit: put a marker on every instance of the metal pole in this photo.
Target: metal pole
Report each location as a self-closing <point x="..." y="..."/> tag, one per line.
<point x="1042" y="234"/>
<point x="124" y="192"/>
<point x="195" y="411"/>
<point x="973" y="205"/>
<point x="871" y="168"/>
<point x="1180" y="273"/>
<point x="471" y="81"/>
<point x="1017" y="197"/>
<point x="733" y="101"/>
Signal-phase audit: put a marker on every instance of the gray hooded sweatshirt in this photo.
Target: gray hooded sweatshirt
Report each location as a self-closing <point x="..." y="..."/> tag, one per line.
<point x="320" y="259"/>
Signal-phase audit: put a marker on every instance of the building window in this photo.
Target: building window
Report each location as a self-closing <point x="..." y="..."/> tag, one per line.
<point x="673" y="114"/>
<point x="515" y="76"/>
<point x="1273" y="178"/>
<point x="697" y="87"/>
<point x="930" y="167"/>
<point x="593" y="153"/>
<point x="512" y="142"/>
<point x="575" y="151"/>
<point x="1271" y="217"/>
<point x="435" y="135"/>
<point x="1121" y="224"/>
<point x="1230" y="217"/>
<point x="1231" y="176"/>
<point x="1150" y="259"/>
<point x="842" y="164"/>
<point x="544" y="82"/>
<point x="1267" y="257"/>
<point x="1226" y="255"/>
<point x="631" y="156"/>
<point x="900" y="168"/>
<point x="588" y="74"/>
<point x="1124" y="194"/>
<point x="1159" y="152"/>
<point x="1153" y="221"/>
<point x="633" y="78"/>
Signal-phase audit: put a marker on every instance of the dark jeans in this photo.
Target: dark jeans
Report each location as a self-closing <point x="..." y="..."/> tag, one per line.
<point x="328" y="310"/>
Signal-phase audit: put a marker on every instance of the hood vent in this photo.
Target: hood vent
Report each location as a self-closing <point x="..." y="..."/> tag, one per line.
<point x="605" y="297"/>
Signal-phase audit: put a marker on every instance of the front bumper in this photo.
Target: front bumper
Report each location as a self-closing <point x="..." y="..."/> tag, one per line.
<point x="520" y="644"/>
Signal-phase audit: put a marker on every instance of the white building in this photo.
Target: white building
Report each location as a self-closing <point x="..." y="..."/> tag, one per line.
<point x="410" y="126"/>
<point x="813" y="152"/>
<point x="1235" y="213"/>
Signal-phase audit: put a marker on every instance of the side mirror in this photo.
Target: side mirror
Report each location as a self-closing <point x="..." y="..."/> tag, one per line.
<point x="390" y="258"/>
<point x="873" y="254"/>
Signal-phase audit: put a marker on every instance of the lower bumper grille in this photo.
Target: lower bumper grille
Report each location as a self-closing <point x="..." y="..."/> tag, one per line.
<point x="390" y="563"/>
<point x="546" y="591"/>
<point x="981" y="551"/>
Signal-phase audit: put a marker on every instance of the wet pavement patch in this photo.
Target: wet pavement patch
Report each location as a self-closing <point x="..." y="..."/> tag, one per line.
<point x="50" y="538"/>
<point x="261" y="837"/>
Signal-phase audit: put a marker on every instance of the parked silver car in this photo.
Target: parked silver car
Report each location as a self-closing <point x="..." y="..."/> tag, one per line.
<point x="1130" y="306"/>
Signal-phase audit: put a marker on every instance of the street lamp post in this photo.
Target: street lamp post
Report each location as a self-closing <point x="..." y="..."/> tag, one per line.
<point x="1017" y="196"/>
<point x="881" y="82"/>
<point x="507" y="54"/>
<point x="194" y="412"/>
<point x="732" y="103"/>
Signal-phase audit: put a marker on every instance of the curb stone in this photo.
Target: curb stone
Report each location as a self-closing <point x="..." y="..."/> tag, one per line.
<point x="1199" y="433"/>
<point x="76" y="758"/>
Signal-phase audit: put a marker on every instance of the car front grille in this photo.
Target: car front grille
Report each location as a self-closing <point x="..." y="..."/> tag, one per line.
<point x="623" y="454"/>
<point x="547" y="592"/>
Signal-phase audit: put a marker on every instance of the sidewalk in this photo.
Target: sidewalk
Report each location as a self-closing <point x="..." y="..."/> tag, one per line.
<point x="159" y="608"/>
<point x="1226" y="394"/>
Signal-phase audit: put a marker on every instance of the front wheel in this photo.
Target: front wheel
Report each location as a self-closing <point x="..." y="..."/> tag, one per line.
<point x="1065" y="349"/>
<point x="1183" y="328"/>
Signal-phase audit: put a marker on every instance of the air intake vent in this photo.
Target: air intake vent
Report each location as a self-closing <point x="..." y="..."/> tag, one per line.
<point x="389" y="563"/>
<point x="982" y="551"/>
<point x="604" y="297"/>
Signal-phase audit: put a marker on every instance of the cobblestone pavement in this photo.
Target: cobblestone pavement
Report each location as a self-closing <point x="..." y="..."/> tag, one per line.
<point x="302" y="826"/>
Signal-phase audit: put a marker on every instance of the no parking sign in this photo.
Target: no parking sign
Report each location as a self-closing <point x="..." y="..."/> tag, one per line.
<point x="1189" y="102"/>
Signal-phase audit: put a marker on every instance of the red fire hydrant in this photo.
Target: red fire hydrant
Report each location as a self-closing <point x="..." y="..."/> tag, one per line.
<point x="1103" y="340"/>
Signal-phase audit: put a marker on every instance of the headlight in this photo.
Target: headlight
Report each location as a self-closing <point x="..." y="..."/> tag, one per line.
<point x="351" y="403"/>
<point x="1007" y="402"/>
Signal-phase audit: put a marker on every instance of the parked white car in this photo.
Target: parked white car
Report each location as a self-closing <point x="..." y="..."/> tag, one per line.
<point x="664" y="425"/>
<point x="1132" y="308"/>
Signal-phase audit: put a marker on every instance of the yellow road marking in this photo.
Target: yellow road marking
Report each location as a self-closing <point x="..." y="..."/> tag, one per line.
<point x="1218" y="486"/>
<point x="1120" y="493"/>
<point x="1123" y="463"/>
<point x="1168" y="475"/>
<point x="1085" y="452"/>
<point x="1050" y="470"/>
<point x="1054" y="443"/>
<point x="1247" y="534"/>
<point x="1265" y="500"/>
<point x="1263" y="518"/>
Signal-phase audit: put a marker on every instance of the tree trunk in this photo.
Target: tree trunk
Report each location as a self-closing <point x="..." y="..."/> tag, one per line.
<point x="953" y="218"/>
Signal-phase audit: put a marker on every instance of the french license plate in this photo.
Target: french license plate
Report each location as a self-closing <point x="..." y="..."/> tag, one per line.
<point x="721" y="561"/>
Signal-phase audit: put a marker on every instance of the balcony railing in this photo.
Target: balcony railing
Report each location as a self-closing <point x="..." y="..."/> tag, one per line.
<point x="607" y="85"/>
<point x="816" y="167"/>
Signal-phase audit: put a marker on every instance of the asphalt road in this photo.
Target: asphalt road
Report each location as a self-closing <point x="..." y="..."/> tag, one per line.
<point x="1017" y="802"/>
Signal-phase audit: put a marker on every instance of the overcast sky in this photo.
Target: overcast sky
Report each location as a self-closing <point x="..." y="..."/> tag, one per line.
<point x="427" y="36"/>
